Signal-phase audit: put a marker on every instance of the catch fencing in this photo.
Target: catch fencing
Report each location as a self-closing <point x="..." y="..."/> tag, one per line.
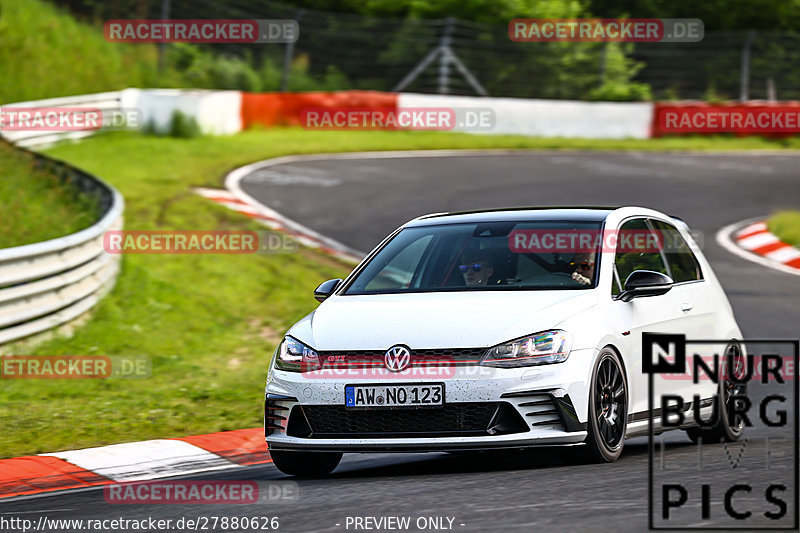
<point x="338" y="51"/>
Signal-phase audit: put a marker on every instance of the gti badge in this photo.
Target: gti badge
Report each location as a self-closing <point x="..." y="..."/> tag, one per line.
<point x="397" y="358"/>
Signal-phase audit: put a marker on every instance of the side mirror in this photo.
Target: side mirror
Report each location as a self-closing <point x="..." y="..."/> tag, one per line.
<point x="645" y="283"/>
<point x="326" y="288"/>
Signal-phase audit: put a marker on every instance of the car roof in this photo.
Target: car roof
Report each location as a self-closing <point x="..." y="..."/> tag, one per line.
<point x="577" y="214"/>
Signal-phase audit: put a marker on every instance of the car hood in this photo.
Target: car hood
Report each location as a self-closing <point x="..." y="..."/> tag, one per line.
<point x="436" y="320"/>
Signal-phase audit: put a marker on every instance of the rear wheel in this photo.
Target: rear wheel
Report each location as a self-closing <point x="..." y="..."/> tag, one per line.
<point x="725" y="429"/>
<point x="305" y="464"/>
<point x="608" y="408"/>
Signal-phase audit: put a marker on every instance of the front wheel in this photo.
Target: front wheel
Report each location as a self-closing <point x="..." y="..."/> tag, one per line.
<point x="608" y="408"/>
<point x="305" y="464"/>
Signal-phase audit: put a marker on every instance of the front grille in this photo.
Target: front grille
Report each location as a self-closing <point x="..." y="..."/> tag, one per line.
<point x="426" y="357"/>
<point x="455" y="419"/>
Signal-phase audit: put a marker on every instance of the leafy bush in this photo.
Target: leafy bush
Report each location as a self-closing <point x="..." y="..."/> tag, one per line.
<point x="183" y="126"/>
<point x="619" y="71"/>
<point x="180" y="126"/>
<point x="614" y="91"/>
<point x="205" y="70"/>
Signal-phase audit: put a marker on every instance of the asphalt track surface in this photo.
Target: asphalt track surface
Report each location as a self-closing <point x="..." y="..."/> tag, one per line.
<point x="359" y="201"/>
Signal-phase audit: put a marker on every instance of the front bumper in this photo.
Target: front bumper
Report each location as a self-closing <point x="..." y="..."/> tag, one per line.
<point x="541" y="405"/>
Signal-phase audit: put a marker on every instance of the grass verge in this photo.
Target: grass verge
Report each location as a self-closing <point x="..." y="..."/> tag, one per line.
<point x="786" y="226"/>
<point x="52" y="54"/>
<point x="208" y="323"/>
<point x="40" y="206"/>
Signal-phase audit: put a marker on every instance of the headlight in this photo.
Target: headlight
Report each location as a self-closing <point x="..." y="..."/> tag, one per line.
<point x="537" y="349"/>
<point x="295" y="356"/>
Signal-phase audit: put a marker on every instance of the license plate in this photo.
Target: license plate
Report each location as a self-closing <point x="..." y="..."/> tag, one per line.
<point x="427" y="395"/>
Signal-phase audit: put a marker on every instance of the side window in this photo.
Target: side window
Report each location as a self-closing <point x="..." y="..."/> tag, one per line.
<point x="635" y="251"/>
<point x="399" y="271"/>
<point x="682" y="262"/>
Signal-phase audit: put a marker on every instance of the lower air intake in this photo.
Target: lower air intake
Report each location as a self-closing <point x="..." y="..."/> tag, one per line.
<point x="455" y="419"/>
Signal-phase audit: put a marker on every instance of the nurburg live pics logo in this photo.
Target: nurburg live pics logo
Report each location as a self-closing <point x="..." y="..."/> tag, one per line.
<point x="748" y="484"/>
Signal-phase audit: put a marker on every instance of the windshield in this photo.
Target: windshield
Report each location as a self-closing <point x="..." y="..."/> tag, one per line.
<point x="484" y="256"/>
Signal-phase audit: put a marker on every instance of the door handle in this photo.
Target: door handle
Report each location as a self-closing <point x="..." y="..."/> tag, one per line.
<point x="687" y="306"/>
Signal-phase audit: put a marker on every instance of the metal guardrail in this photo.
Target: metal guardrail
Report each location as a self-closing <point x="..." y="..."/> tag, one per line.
<point x="49" y="284"/>
<point x="110" y="101"/>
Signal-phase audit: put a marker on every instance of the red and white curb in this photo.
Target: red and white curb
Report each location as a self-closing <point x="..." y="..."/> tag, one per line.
<point x="132" y="461"/>
<point x="277" y="222"/>
<point x="752" y="240"/>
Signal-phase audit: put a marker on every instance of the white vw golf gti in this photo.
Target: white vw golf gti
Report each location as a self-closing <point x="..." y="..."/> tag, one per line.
<point x="503" y="328"/>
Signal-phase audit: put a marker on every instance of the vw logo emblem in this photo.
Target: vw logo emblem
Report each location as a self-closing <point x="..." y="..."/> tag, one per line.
<point x="397" y="358"/>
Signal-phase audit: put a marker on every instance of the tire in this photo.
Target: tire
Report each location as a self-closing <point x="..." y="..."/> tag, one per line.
<point x="608" y="409"/>
<point x="306" y="464"/>
<point x="724" y="430"/>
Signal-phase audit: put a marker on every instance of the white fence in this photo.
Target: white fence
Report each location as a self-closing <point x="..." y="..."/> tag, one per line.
<point x="49" y="284"/>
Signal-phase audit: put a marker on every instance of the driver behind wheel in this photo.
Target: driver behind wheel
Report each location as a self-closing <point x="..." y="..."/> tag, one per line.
<point x="582" y="266"/>
<point x="476" y="269"/>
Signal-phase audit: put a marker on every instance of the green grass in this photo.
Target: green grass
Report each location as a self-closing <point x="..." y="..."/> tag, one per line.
<point x="46" y="53"/>
<point x="208" y="322"/>
<point x="786" y="226"/>
<point x="40" y="206"/>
